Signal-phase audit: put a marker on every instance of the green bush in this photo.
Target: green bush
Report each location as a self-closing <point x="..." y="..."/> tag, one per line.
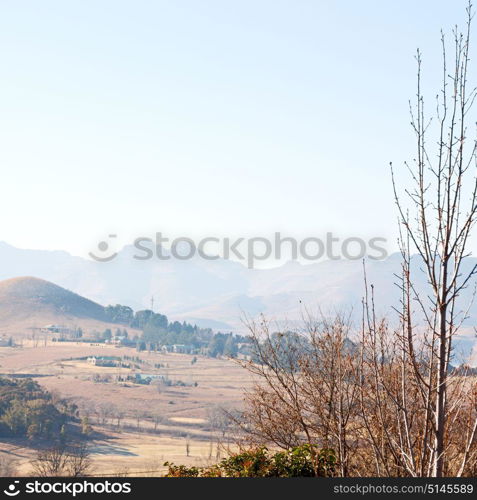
<point x="301" y="461"/>
<point x="27" y="410"/>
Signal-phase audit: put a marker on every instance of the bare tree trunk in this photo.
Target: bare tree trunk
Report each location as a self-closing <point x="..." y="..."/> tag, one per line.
<point x="441" y="393"/>
<point x="441" y="209"/>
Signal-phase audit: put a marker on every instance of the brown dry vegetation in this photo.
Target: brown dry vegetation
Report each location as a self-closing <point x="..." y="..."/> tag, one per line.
<point x="156" y="422"/>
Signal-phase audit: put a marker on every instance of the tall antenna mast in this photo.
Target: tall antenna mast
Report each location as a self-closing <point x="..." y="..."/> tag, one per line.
<point x="152" y="303"/>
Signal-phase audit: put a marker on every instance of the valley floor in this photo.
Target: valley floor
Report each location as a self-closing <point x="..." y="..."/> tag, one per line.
<point x="136" y="427"/>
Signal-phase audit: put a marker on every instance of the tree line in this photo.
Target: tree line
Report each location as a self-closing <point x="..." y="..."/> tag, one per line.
<point x="27" y="410"/>
<point x="158" y="331"/>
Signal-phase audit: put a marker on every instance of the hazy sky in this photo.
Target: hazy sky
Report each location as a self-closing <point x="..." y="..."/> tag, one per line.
<point x="205" y="118"/>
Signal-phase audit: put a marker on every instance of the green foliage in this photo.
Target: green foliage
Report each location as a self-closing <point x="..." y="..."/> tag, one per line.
<point x="160" y="333"/>
<point x="151" y="319"/>
<point x="230" y="347"/>
<point x="181" y="470"/>
<point x="140" y="346"/>
<point x="217" y="344"/>
<point x="107" y="334"/>
<point x="250" y="463"/>
<point x="157" y="331"/>
<point x="301" y="461"/>
<point x="119" y="314"/>
<point x="27" y="410"/>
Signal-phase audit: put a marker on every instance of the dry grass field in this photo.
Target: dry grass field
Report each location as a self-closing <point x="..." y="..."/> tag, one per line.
<point x="129" y="453"/>
<point x="136" y="427"/>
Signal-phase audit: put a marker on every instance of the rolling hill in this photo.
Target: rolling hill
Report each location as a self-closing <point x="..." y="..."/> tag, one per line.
<point x="214" y="294"/>
<point x="27" y="302"/>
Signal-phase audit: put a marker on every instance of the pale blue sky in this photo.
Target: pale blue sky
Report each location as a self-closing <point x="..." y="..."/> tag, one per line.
<point x="206" y="117"/>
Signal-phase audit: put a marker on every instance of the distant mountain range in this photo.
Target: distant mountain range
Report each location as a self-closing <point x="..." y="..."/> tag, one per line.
<point x="220" y="293"/>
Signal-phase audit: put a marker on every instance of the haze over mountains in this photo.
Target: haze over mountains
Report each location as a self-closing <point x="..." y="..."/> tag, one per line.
<point x="214" y="293"/>
<point x="218" y="293"/>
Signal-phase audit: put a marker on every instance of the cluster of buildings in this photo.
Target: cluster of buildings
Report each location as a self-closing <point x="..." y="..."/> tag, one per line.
<point x="61" y="329"/>
<point x="179" y="348"/>
<point x="119" y="340"/>
<point x="105" y="361"/>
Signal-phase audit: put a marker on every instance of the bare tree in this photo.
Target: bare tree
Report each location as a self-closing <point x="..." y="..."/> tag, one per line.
<point x="119" y="415"/>
<point x="79" y="461"/>
<point x="50" y="462"/>
<point x="8" y="466"/>
<point x="306" y="390"/>
<point x="187" y="445"/>
<point x="157" y="419"/>
<point x="105" y="412"/>
<point x="390" y="402"/>
<point x="138" y="416"/>
<point x="397" y="389"/>
<point x="363" y="398"/>
<point x="69" y="461"/>
<point x="436" y="215"/>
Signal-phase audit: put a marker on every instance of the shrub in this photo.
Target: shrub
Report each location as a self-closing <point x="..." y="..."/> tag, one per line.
<point x="301" y="461"/>
<point x="27" y="410"/>
<point x="181" y="470"/>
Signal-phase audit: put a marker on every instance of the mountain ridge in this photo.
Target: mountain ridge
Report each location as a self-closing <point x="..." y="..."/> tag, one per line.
<point x="221" y="294"/>
<point x="221" y="290"/>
